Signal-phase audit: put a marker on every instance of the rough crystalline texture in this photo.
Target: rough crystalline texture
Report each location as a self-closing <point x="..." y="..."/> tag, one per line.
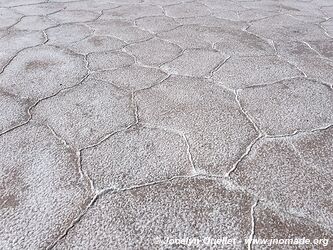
<point x="67" y="33"/>
<point x="136" y="157"/>
<point x="205" y="113"/>
<point x="285" y="172"/>
<point x="96" y="44"/>
<point x="109" y="60"/>
<point x="41" y="188"/>
<point x="132" y="12"/>
<point x="271" y="224"/>
<point x="152" y="214"/>
<point x="13" y="42"/>
<point x="15" y="112"/>
<point x="34" y="73"/>
<point x="154" y="52"/>
<point x="35" y="23"/>
<point x="147" y="124"/>
<point x="308" y="58"/>
<point x="132" y="77"/>
<point x="84" y="115"/>
<point x="283" y="108"/>
<point x="242" y="72"/>
<point x="156" y="23"/>
<point x="121" y="29"/>
<point x="195" y="62"/>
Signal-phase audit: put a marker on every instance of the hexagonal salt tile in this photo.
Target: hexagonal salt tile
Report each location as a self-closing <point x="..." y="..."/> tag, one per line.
<point x="96" y="44"/>
<point x="156" y="23"/>
<point x="307" y="60"/>
<point x="14" y="111"/>
<point x="132" y="77"/>
<point x="35" y="23"/>
<point x="17" y="40"/>
<point x="195" y="62"/>
<point x="42" y="71"/>
<point x="149" y="217"/>
<point x="154" y="51"/>
<point x="217" y="130"/>
<point x="86" y="113"/>
<point x="136" y="157"/>
<point x="284" y="27"/>
<point x="14" y="41"/>
<point x="270" y="224"/>
<point x="39" y="9"/>
<point x="121" y="29"/>
<point x="109" y="60"/>
<point x="324" y="47"/>
<point x="71" y="16"/>
<point x="213" y="22"/>
<point x="289" y="106"/>
<point x="132" y="11"/>
<point x="241" y="43"/>
<point x="41" y="188"/>
<point x="91" y="5"/>
<point x="66" y="34"/>
<point x="278" y="171"/>
<point x="12" y="3"/>
<point x="8" y="18"/>
<point x="196" y="36"/>
<point x="186" y="10"/>
<point x="188" y="36"/>
<point x="223" y="5"/>
<point x="242" y="72"/>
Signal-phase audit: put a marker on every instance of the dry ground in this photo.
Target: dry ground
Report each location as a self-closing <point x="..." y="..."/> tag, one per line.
<point x="129" y="124"/>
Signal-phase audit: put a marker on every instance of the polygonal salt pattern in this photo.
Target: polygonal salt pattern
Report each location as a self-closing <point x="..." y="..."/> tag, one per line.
<point x="132" y="77"/>
<point x="121" y="29"/>
<point x="152" y="214"/>
<point x="34" y="73"/>
<point x="41" y="188"/>
<point x="279" y="170"/>
<point x="308" y="59"/>
<point x="85" y="114"/>
<point x="92" y="5"/>
<point x="129" y="124"/>
<point x="241" y="72"/>
<point x="241" y="43"/>
<point x="40" y="9"/>
<point x="109" y="60"/>
<point x="283" y="108"/>
<point x="66" y="34"/>
<point x="73" y="16"/>
<point x="132" y="12"/>
<point x="136" y="157"/>
<point x="186" y="10"/>
<point x="156" y="23"/>
<point x="8" y="18"/>
<point x="154" y="52"/>
<point x="270" y="223"/>
<point x="96" y="44"/>
<point x="13" y="112"/>
<point x="324" y="47"/>
<point x="195" y="62"/>
<point x="15" y="41"/>
<point x="205" y="113"/>
<point x="285" y="27"/>
<point x="35" y="23"/>
<point x="13" y="3"/>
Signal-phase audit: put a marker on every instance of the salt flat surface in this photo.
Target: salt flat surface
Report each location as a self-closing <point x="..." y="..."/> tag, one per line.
<point x="151" y="124"/>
